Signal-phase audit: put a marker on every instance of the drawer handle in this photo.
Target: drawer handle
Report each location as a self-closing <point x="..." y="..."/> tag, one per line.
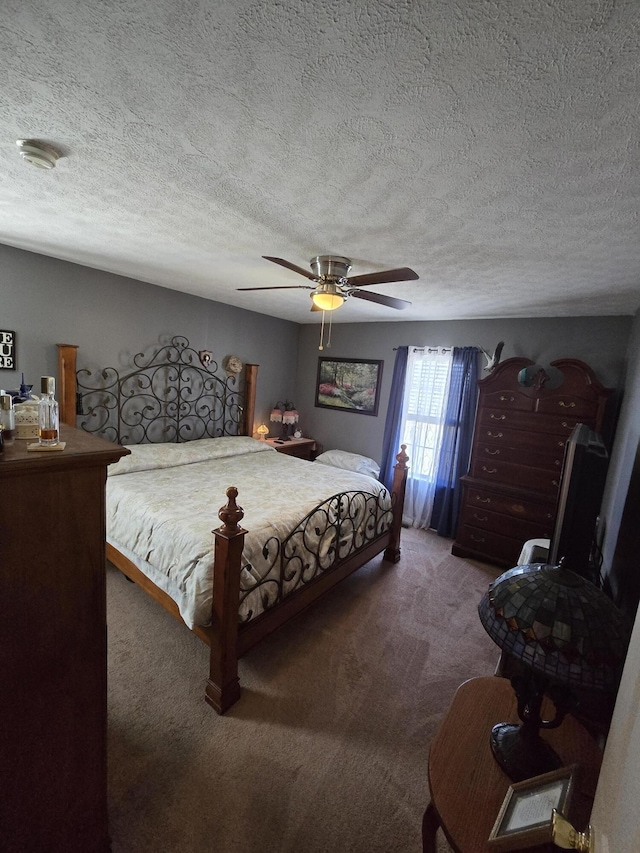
<point x="562" y="443"/>
<point x="567" y="426"/>
<point x="549" y="515"/>
<point x="557" y="462"/>
<point x="489" y="470"/>
<point x="483" y="500"/>
<point x="505" y="399"/>
<point x="477" y="538"/>
<point x="492" y="452"/>
<point x="564" y="405"/>
<point x="480" y="517"/>
<point x="498" y="417"/>
<point x="555" y="483"/>
<point x="495" y="434"/>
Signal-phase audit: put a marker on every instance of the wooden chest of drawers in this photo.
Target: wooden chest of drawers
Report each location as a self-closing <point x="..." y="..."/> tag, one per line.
<point x="53" y="646"/>
<point x="510" y="492"/>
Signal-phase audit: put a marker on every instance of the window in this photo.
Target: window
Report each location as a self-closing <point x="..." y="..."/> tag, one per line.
<point x="426" y="388"/>
<point x="425" y="396"/>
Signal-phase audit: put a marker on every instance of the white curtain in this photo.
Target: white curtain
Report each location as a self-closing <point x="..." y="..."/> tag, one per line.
<point x="425" y="395"/>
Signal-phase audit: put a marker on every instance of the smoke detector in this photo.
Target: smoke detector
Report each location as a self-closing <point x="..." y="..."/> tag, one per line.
<point x="39" y="154"/>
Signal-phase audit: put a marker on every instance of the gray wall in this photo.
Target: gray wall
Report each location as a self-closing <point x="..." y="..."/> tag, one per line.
<point x="600" y="342"/>
<point x="47" y="301"/>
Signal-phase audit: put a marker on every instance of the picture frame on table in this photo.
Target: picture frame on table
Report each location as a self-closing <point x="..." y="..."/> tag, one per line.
<point x="526" y="816"/>
<point x="349" y="384"/>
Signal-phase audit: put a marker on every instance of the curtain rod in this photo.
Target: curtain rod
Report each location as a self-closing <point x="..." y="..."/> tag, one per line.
<point x="429" y="349"/>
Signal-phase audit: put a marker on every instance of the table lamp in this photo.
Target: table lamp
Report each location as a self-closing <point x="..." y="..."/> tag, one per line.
<point x="263" y="431"/>
<point x="567" y="634"/>
<point x="286" y="414"/>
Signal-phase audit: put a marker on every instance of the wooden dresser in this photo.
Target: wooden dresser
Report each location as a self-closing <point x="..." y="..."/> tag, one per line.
<point x="510" y="492"/>
<point x="53" y="646"/>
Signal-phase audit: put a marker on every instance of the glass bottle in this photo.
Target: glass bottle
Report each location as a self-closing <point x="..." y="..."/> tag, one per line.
<point x="7" y="418"/>
<point x="48" y="412"/>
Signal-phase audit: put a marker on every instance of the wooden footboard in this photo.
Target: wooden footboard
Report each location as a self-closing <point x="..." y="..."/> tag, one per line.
<point x="228" y="639"/>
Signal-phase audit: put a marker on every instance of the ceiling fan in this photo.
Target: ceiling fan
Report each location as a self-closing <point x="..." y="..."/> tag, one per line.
<point x="332" y="284"/>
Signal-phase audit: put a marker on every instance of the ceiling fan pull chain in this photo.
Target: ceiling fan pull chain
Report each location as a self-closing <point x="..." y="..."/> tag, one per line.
<point x="330" y="326"/>
<point x="322" y="332"/>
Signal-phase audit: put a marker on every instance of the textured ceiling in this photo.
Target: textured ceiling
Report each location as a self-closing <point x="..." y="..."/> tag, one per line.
<point x="491" y="146"/>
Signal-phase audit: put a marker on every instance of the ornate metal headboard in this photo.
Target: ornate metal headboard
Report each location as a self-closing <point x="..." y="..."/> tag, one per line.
<point x="170" y="394"/>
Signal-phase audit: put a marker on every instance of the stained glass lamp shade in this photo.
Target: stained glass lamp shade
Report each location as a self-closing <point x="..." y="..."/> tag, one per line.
<point x="568" y="634"/>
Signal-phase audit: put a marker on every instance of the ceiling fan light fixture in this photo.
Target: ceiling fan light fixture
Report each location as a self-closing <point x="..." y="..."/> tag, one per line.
<point x="37" y="153"/>
<point x="327" y="300"/>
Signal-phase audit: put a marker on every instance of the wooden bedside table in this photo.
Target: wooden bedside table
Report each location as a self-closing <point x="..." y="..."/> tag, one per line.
<point x="467" y="785"/>
<point x="303" y="448"/>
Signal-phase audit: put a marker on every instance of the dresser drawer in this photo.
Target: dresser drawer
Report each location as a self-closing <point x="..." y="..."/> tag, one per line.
<point x="567" y="405"/>
<point x="536" y="479"/>
<point x="515" y="528"/>
<point x="559" y="425"/>
<point x="501" y="435"/>
<point x="509" y="400"/>
<point x="473" y="541"/>
<point x="550" y="460"/>
<point x="538" y="513"/>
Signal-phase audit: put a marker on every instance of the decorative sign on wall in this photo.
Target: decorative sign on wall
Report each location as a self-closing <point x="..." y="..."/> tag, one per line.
<point x="7" y="350"/>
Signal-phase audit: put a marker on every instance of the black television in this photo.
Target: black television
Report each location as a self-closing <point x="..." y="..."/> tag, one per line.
<point x="584" y="470"/>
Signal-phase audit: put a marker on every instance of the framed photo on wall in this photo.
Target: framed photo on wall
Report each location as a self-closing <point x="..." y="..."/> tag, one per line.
<point x="349" y="384"/>
<point x="7" y="350"/>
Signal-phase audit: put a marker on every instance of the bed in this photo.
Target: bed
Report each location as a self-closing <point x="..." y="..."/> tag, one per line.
<point x="188" y="429"/>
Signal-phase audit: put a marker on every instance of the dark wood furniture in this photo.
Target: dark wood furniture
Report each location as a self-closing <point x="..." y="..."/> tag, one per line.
<point x="53" y="664"/>
<point x="303" y="448"/>
<point x="228" y="640"/>
<point x="466" y="783"/>
<point x="509" y="495"/>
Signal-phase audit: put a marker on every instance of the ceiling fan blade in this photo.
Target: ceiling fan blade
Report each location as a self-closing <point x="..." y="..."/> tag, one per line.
<point x="280" y="287"/>
<point x="290" y="266"/>
<point x="389" y="301"/>
<point x="401" y="274"/>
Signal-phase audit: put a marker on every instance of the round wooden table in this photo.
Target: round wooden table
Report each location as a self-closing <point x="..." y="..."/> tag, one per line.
<point x="467" y="785"/>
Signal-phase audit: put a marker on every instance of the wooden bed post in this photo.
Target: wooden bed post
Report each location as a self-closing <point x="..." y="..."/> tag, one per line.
<point x="223" y="687"/>
<point x="250" y="383"/>
<point x="392" y="551"/>
<point x="67" y="383"/>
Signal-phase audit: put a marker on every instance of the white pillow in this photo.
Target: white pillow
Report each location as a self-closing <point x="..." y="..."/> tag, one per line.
<point x="350" y="462"/>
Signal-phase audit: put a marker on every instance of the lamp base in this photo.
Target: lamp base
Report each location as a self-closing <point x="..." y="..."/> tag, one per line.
<point x="522" y="756"/>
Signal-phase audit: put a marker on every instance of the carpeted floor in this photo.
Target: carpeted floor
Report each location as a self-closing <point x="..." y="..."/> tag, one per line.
<point x="327" y="748"/>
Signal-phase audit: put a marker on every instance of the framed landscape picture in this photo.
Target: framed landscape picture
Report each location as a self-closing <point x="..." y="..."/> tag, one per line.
<point x="349" y="384"/>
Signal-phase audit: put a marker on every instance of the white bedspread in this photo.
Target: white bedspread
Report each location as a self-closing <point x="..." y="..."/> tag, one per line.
<point x="163" y="500"/>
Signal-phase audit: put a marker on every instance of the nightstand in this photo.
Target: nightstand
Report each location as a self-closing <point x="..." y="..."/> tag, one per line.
<point x="303" y="448"/>
<point x="467" y="786"/>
